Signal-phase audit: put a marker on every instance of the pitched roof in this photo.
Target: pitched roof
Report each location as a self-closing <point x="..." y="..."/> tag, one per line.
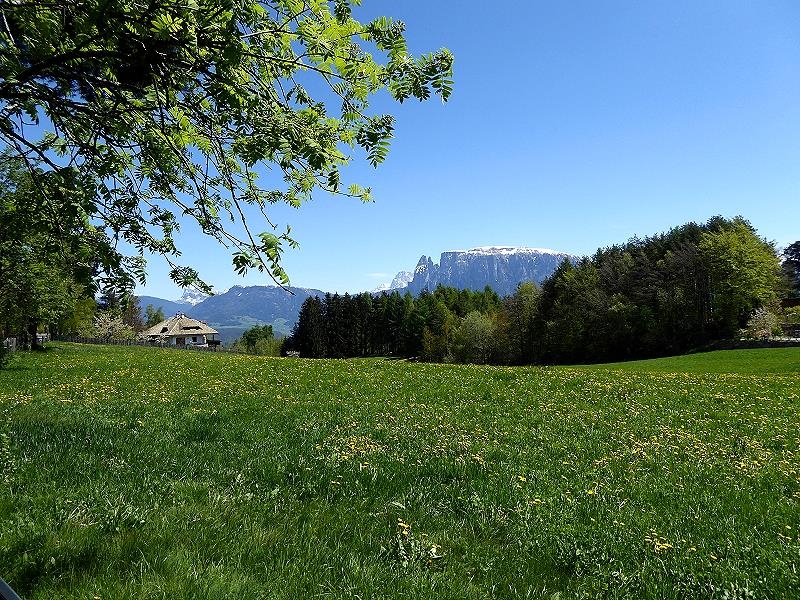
<point x="180" y="324"/>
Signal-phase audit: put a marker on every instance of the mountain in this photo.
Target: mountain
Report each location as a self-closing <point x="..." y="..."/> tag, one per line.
<point x="240" y="308"/>
<point x="236" y="310"/>
<point x="501" y="267"/>
<point x="168" y="307"/>
<point x="254" y="305"/>
<point x="192" y="297"/>
<point x="400" y="281"/>
<point x="183" y="304"/>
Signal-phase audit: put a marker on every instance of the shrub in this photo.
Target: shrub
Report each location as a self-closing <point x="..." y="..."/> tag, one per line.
<point x="761" y="325"/>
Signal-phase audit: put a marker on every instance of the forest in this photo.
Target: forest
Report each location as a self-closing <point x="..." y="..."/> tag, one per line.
<point x="657" y="296"/>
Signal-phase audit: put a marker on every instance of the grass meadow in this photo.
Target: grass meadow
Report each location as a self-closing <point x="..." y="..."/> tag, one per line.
<point x="149" y="473"/>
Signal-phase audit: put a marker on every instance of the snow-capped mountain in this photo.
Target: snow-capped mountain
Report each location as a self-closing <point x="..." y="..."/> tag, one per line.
<point x="400" y="281"/>
<point x="501" y="267"/>
<point x="192" y="297"/>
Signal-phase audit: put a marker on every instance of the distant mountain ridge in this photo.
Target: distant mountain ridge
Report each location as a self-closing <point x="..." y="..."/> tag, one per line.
<point x="267" y="304"/>
<point x="236" y="310"/>
<point x="239" y="308"/>
<point x="168" y="307"/>
<point x="502" y="268"/>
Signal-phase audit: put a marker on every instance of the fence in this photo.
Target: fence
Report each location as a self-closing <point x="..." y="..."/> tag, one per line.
<point x="791" y="330"/>
<point x="21" y="342"/>
<point x="115" y="342"/>
<point x="78" y="339"/>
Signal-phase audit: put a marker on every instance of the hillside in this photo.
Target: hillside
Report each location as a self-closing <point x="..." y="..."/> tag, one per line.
<point x="239" y="308"/>
<point x="168" y="307"/>
<point x="750" y="362"/>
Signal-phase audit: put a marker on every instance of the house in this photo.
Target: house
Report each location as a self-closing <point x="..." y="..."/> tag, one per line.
<point x="182" y="331"/>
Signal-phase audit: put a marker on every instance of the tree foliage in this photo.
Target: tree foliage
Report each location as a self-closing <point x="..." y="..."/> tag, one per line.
<point x="743" y="270"/>
<point x="761" y="325"/>
<point x="152" y="316"/>
<point x="474" y="339"/>
<point x="657" y="296"/>
<point x="208" y="109"/>
<point x="260" y="340"/>
<point x="42" y="274"/>
<point x="80" y="319"/>
<point x="791" y="269"/>
<point x="388" y="325"/>
<point x="665" y="294"/>
<point x="132" y="314"/>
<point x="108" y="325"/>
<point x="308" y="336"/>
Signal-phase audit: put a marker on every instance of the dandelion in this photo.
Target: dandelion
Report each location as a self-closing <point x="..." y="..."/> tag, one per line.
<point x="659" y="543"/>
<point x="403" y="528"/>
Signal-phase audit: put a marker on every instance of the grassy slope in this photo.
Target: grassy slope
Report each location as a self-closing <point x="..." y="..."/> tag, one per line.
<point x="772" y="360"/>
<point x="147" y="473"/>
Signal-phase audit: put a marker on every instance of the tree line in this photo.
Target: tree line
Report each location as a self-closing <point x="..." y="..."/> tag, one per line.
<point x="660" y="295"/>
<point x="390" y="324"/>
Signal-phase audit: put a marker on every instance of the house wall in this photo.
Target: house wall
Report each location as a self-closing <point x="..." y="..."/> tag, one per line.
<point x="172" y="340"/>
<point x="195" y="338"/>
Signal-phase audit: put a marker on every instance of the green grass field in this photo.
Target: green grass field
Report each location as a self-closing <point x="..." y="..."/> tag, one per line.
<point x="749" y="362"/>
<point x="148" y="473"/>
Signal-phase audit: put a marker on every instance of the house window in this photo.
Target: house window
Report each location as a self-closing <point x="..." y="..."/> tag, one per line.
<point x="194" y="338"/>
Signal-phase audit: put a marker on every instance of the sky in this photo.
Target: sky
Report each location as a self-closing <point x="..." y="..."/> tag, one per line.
<point x="573" y="125"/>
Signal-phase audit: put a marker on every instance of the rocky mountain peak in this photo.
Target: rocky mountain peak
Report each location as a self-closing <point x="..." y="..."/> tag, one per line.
<point x="501" y="267"/>
<point x="400" y="281"/>
<point x="191" y="297"/>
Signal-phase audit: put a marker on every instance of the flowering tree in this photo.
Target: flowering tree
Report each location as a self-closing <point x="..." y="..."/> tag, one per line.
<point x="761" y="325"/>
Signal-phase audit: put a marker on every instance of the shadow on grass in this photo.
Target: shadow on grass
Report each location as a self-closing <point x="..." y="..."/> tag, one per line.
<point x="13" y="367"/>
<point x="11" y="363"/>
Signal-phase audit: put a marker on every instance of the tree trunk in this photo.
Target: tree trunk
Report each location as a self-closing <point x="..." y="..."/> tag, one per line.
<point x="33" y="328"/>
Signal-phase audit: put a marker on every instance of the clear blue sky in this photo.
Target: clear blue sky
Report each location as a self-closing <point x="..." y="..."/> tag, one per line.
<point x="573" y="125"/>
